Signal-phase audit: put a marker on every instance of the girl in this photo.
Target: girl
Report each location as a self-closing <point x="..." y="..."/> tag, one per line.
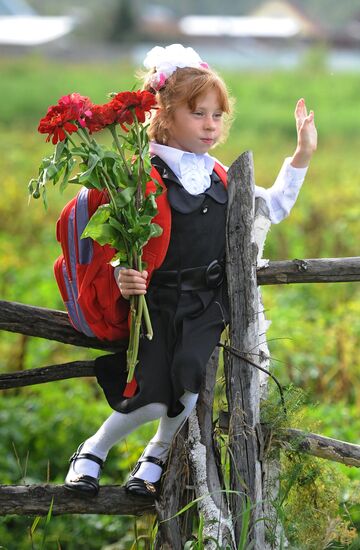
<point x="186" y="295"/>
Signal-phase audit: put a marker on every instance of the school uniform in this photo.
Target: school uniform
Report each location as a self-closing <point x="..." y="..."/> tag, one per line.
<point x="187" y="294"/>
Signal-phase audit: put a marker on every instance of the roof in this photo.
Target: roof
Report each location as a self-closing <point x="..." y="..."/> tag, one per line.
<point x="285" y="9"/>
<point x="20" y="25"/>
<point x="209" y="25"/>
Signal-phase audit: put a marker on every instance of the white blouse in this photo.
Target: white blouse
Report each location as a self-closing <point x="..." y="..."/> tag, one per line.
<point x="194" y="173"/>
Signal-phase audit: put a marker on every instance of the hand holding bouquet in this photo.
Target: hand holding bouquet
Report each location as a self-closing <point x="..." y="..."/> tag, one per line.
<point x="123" y="170"/>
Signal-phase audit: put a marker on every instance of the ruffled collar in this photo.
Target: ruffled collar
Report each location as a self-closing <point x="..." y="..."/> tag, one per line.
<point x="179" y="198"/>
<point x="192" y="170"/>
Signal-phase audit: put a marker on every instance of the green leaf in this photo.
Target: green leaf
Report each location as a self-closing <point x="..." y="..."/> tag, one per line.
<point x="96" y="149"/>
<point x="102" y="233"/>
<point x="49" y="172"/>
<point x="74" y="179"/>
<point x="35" y="524"/>
<point x="93" y="161"/>
<point x="93" y="182"/>
<point x="48" y="518"/>
<point x="65" y="180"/>
<point x="145" y="219"/>
<point x="31" y="188"/>
<point x="150" y="206"/>
<point x="100" y="216"/>
<point x="112" y="155"/>
<point x="59" y="149"/>
<point x="155" y="230"/>
<point x="122" y="176"/>
<point x="80" y="152"/>
<point x="147" y="162"/>
<point x="46" y="161"/>
<point x="99" y="229"/>
<point x="120" y="258"/>
<point x="115" y="223"/>
<point x="124" y="197"/>
<point x="44" y="197"/>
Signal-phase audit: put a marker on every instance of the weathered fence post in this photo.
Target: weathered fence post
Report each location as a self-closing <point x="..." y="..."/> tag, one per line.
<point x="175" y="494"/>
<point x="194" y="471"/>
<point x="242" y="381"/>
<point x="205" y="465"/>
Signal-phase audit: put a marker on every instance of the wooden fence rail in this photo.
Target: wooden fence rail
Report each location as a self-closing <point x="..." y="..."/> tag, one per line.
<point x="48" y="323"/>
<point x="36" y="500"/>
<point x="55" y="325"/>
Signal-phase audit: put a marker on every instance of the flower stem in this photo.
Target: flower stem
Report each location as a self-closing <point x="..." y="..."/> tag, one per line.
<point x="70" y="138"/>
<point x="139" y="193"/>
<point x="133" y="352"/>
<point x="118" y="145"/>
<point x="145" y="310"/>
<point x="146" y="315"/>
<point x="130" y="351"/>
<point x="108" y="187"/>
<point x="84" y="133"/>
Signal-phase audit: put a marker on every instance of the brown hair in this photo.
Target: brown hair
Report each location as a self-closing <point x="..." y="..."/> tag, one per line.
<point x="184" y="87"/>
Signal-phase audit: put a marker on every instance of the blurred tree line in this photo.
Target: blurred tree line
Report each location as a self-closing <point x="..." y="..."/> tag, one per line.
<point x="117" y="20"/>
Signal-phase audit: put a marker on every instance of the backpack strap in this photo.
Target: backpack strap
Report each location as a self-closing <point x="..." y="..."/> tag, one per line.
<point x="221" y="172"/>
<point x="155" y="250"/>
<point x="65" y="267"/>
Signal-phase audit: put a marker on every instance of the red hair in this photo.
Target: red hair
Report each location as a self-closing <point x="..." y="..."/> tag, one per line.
<point x="184" y="87"/>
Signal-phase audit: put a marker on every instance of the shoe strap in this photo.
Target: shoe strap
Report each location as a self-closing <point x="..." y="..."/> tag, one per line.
<point x="152" y="459"/>
<point x="88" y="456"/>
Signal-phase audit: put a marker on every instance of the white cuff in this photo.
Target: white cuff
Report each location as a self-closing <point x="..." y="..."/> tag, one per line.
<point x="295" y="174"/>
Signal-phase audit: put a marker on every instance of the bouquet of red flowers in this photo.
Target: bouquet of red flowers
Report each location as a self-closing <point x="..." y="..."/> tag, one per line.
<point x="123" y="169"/>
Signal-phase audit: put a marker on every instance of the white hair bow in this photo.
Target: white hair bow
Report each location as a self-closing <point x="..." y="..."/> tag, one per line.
<point x="167" y="60"/>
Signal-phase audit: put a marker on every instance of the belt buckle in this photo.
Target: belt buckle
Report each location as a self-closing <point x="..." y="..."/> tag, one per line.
<point x="214" y="274"/>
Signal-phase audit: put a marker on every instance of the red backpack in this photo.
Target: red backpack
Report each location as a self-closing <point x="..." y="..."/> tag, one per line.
<point x="83" y="272"/>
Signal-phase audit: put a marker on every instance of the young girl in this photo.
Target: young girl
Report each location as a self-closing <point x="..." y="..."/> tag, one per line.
<point x="186" y="295"/>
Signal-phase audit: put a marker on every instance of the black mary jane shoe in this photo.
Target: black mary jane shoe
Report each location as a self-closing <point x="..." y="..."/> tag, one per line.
<point x="142" y="487"/>
<point x="82" y="484"/>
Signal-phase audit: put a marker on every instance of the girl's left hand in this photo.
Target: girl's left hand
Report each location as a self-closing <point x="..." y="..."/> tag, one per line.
<point x="306" y="135"/>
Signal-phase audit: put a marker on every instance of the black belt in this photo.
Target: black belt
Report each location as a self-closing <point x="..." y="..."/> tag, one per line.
<point x="193" y="278"/>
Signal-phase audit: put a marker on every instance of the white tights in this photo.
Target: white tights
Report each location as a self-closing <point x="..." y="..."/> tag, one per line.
<point x="119" y="425"/>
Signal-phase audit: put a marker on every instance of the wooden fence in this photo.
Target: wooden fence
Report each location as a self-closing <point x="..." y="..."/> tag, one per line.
<point x="248" y="468"/>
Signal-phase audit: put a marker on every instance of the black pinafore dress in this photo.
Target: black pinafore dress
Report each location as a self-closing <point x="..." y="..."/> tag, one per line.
<point x="187" y="323"/>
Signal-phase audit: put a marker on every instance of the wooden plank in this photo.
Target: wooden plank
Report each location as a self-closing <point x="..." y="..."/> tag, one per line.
<point x="35" y="500"/>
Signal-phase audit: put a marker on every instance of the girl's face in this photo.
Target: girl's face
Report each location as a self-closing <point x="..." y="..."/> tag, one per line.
<point x="197" y="130"/>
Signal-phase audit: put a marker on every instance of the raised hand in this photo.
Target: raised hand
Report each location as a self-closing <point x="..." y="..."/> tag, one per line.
<point x="306" y="135"/>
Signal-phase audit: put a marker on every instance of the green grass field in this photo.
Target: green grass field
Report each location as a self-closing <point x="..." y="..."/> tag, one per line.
<point x="315" y="330"/>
